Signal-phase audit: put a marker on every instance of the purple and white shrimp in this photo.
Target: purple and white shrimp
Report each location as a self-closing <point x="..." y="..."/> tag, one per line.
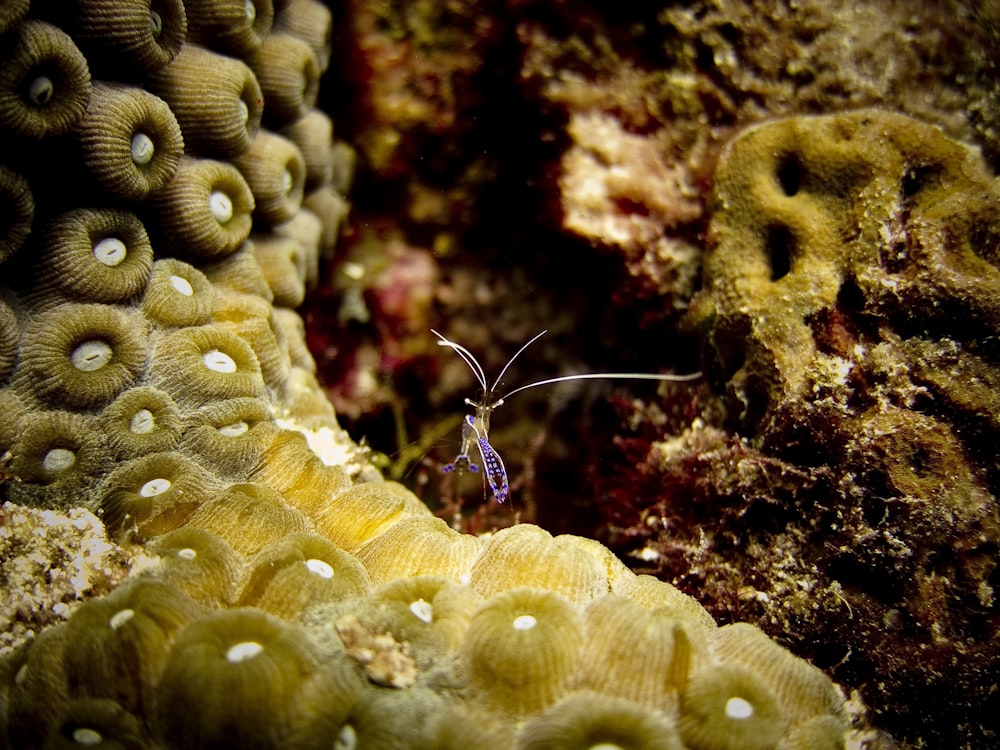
<point x="475" y="427"/>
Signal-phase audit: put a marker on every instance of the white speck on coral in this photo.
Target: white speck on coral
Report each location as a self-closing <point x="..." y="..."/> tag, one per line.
<point x="320" y="568"/>
<point x="87" y="736"/>
<point x="219" y="361"/>
<point x="155" y="487"/>
<point x="143" y="422"/>
<point x="221" y="206"/>
<point x="59" y="459"/>
<point x="422" y="610"/>
<point x="142" y="149"/>
<point x="234" y="430"/>
<point x="182" y="285"/>
<point x="110" y="251"/>
<point x="738" y="708"/>
<point x="155" y="24"/>
<point x="40" y="91"/>
<point x="120" y="618"/>
<point x="187" y="553"/>
<point x="524" y="622"/>
<point x="243" y="651"/>
<point x="346" y="739"/>
<point x="91" y="356"/>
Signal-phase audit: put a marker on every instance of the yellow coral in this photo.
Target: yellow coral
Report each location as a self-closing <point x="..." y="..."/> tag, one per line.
<point x="526" y="555"/>
<point x="523" y="649"/>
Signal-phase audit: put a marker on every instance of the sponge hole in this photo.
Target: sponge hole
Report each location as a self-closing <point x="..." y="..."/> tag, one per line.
<point x="780" y="250"/>
<point x="916" y="179"/>
<point x="789" y="174"/>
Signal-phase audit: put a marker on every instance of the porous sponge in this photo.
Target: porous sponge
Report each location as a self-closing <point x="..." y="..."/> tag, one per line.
<point x="277" y="609"/>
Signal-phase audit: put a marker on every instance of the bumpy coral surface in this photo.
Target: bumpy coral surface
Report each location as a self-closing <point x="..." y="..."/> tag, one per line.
<point x="155" y="374"/>
<point x="847" y="315"/>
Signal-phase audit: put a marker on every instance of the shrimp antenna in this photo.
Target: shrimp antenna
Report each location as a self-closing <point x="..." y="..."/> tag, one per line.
<point x="668" y="378"/>
<point x="511" y="360"/>
<point x="468" y="357"/>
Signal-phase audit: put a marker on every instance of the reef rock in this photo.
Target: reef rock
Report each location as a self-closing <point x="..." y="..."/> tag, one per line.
<point x="848" y="318"/>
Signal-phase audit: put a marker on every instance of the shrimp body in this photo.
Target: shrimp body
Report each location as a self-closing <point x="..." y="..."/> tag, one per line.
<point x="476" y="427"/>
<point x="495" y="472"/>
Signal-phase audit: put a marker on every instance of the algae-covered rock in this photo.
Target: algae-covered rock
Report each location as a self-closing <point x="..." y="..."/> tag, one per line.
<point x="848" y="316"/>
<point x="829" y="235"/>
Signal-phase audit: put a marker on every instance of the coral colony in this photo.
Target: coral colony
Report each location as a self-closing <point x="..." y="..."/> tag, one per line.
<point x="195" y="554"/>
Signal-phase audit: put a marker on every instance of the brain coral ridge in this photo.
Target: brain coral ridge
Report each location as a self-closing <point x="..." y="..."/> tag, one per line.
<point x="153" y="372"/>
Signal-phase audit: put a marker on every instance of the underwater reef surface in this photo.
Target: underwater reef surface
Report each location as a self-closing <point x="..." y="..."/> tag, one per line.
<point x="581" y="167"/>
<point x="195" y="553"/>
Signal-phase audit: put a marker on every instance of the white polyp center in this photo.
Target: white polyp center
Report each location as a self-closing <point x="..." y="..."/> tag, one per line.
<point x="320" y="568"/>
<point x="187" y="553"/>
<point x="155" y="24"/>
<point x="287" y="182"/>
<point x="606" y="746"/>
<point x="143" y="422"/>
<point x="234" y="430"/>
<point x="251" y="11"/>
<point x="182" y="285"/>
<point x="155" y="487"/>
<point x="243" y="651"/>
<point x="87" y="736"/>
<point x="142" y="149"/>
<point x="110" y="251"/>
<point x="422" y="610"/>
<point x="120" y="618"/>
<point x="738" y="708"/>
<point x="91" y="355"/>
<point x="40" y="91"/>
<point x="346" y="739"/>
<point x="244" y="112"/>
<point x="221" y="206"/>
<point x="58" y="459"/>
<point x="218" y="361"/>
<point x="524" y="622"/>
